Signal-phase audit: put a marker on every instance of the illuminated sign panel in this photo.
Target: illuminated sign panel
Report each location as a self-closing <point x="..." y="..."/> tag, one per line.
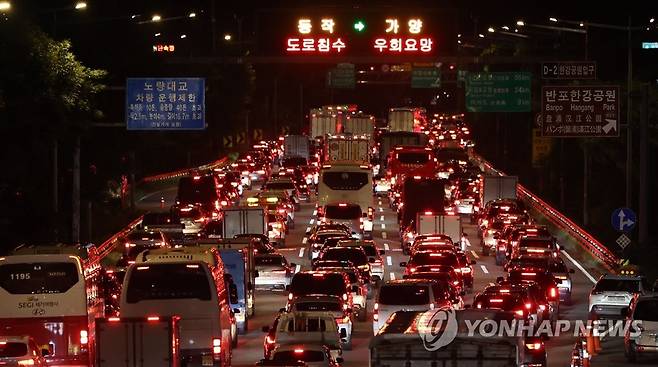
<point x="160" y="48"/>
<point x="356" y="32"/>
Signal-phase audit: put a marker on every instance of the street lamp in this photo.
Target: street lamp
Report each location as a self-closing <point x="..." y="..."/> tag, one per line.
<point x="5" y="5"/>
<point x="156" y="18"/>
<point x="227" y="37"/>
<point x="183" y="36"/>
<point x="552" y="19"/>
<point x="80" y="5"/>
<point x="652" y="20"/>
<point x="491" y="30"/>
<point x="192" y="15"/>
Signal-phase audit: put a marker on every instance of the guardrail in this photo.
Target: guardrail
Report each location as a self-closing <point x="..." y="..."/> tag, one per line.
<point x="183" y="172"/>
<point x="109" y="245"/>
<point x="582" y="237"/>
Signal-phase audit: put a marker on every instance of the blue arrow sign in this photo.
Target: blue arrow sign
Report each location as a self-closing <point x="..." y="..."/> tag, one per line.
<point x="623" y="219"/>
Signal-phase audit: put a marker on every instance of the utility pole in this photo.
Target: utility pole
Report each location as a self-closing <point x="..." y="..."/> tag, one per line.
<point x="629" y="130"/>
<point x="75" y="191"/>
<point x="131" y="180"/>
<point x="585" y="183"/>
<point x="275" y="106"/>
<point x="644" y="167"/>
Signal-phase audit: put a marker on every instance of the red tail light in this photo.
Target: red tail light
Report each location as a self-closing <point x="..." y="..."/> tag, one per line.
<point x="553" y="292"/>
<point x="375" y="314"/>
<point x="519" y="312"/>
<point x="84" y="337"/>
<point x="289" y="296"/>
<point x="216" y="348"/>
<point x="528" y="306"/>
<point x="534" y="346"/>
<point x="113" y="319"/>
<point x="269" y="340"/>
<point x="153" y="318"/>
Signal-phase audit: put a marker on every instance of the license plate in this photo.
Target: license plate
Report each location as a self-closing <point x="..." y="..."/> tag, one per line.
<point x="206" y="361"/>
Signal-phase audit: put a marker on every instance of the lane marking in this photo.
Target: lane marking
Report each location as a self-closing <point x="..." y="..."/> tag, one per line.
<point x="380" y="202"/>
<point x="392" y="275"/>
<point x="484" y="269"/>
<point x="475" y="255"/>
<point x="468" y="243"/>
<point x="304" y="240"/>
<point x="315" y="212"/>
<point x="301" y="251"/>
<point x="381" y="210"/>
<point x="580" y="267"/>
<point x="389" y="261"/>
<point x="384" y="235"/>
<point x="287" y="249"/>
<point x="311" y="221"/>
<point x="308" y="229"/>
<point x="381" y="218"/>
<point x="298" y="268"/>
<point x="386" y="247"/>
<point x="383" y="225"/>
<point x="397" y="250"/>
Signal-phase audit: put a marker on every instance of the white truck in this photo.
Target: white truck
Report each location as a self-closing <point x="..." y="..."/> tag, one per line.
<point x="323" y="123"/>
<point x="243" y="220"/>
<point x="359" y="124"/>
<point x="296" y="146"/>
<point x="451" y="225"/>
<point x="401" y="119"/>
<point x="348" y="149"/>
<point x="131" y="342"/>
<point x="499" y="187"/>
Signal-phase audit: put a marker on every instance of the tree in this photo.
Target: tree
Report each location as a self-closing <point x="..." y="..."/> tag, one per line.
<point x="46" y="96"/>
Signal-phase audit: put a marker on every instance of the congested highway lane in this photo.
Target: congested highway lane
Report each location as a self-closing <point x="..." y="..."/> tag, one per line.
<point x="386" y="235"/>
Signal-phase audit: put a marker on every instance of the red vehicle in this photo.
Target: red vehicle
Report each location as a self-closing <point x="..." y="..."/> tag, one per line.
<point x="411" y="160"/>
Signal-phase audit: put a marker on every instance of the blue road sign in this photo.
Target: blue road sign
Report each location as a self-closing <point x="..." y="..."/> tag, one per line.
<point x="623" y="219"/>
<point x="165" y="104"/>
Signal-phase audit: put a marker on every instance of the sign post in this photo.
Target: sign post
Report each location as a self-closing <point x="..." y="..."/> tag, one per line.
<point x="165" y="104"/>
<point x="498" y="91"/>
<point x="580" y="111"/>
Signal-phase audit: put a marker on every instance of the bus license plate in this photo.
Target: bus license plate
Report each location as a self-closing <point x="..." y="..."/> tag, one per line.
<point x="206" y="361"/>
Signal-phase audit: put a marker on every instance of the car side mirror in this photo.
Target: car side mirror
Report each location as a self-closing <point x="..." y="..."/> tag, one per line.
<point x="236" y="310"/>
<point x="473" y="262"/>
<point x="353" y="233"/>
<point x="265" y="329"/>
<point x="571" y="271"/>
<point x="340" y="359"/>
<point x="403" y="264"/>
<point x="45" y="352"/>
<point x="371" y="260"/>
<point x="500" y="279"/>
<point x="287" y="288"/>
<point x="382" y="252"/>
<point x="343" y="334"/>
<point x="270" y="228"/>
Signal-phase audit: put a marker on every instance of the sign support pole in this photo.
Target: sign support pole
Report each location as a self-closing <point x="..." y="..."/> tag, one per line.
<point x="644" y="168"/>
<point x="585" y="182"/>
<point x="629" y="130"/>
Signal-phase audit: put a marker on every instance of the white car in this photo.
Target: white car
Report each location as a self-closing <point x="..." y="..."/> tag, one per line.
<point x="403" y="295"/>
<point x="21" y="351"/>
<point x="644" y="339"/>
<point x="313" y="355"/>
<point x="333" y="305"/>
<point x="612" y="294"/>
<point x="274" y="272"/>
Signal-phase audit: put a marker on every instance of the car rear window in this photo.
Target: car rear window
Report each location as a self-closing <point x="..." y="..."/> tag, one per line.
<point x="413" y="157"/>
<point x="435" y="258"/>
<point x="317" y="306"/>
<point x="279" y="186"/>
<point x="404" y="295"/>
<point x="535" y="243"/>
<point x="12" y="349"/>
<point x="331" y="284"/>
<point x="342" y="212"/>
<point x="293" y="162"/>
<point x="507" y="302"/>
<point x="304" y="356"/>
<point x="345" y="180"/>
<point x="619" y="285"/>
<point x="38" y="278"/>
<point x="356" y="256"/>
<point x="168" y="281"/>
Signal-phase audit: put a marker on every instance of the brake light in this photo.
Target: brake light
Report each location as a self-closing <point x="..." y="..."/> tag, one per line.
<point x="216" y="348"/>
<point x="466" y="270"/>
<point x="224" y="203"/>
<point x="528" y="306"/>
<point x="542" y="308"/>
<point x="84" y="337"/>
<point x="153" y="318"/>
<point x="534" y="346"/>
<point x="282" y="211"/>
<point x="412" y="270"/>
<point x="553" y="292"/>
<point x="528" y="274"/>
<point x="429" y="213"/>
<point x="113" y="319"/>
<point x="344" y="296"/>
<point x="299" y="351"/>
<point x="26" y="362"/>
<point x="261" y="172"/>
<point x="495" y="300"/>
<point x="197" y="177"/>
<point x="289" y="296"/>
<point x="519" y="312"/>
<point x="269" y="340"/>
<point x="342" y="205"/>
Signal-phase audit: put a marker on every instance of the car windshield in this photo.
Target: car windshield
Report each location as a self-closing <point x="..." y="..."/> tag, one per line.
<point x="536" y="243"/>
<point x="342" y="212"/>
<point x="318" y="283"/>
<point x="355" y="255"/>
<point x="12" y="349"/>
<point x="399" y="294"/>
<point x="413" y="157"/>
<point x="317" y="306"/>
<point x="646" y="310"/>
<point x="618" y="285"/>
<point x="293" y="162"/>
<point x="168" y="281"/>
<point x="270" y="261"/>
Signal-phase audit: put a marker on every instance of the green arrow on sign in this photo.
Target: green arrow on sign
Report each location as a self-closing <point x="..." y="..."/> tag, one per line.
<point x="359" y="26"/>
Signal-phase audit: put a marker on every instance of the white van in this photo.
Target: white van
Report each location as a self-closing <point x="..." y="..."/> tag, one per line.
<point x="300" y="327"/>
<point x="191" y="289"/>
